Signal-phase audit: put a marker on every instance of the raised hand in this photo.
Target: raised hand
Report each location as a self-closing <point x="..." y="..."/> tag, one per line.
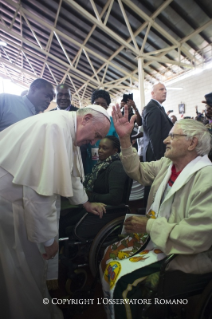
<point x="122" y="125"/>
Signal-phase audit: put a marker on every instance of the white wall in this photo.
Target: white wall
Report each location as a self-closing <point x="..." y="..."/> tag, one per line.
<point x="193" y="90"/>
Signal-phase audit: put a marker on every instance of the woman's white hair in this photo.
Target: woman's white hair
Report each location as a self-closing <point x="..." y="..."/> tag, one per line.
<point x="196" y="129"/>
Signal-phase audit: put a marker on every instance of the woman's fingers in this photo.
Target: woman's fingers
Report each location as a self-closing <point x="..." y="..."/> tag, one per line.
<point x="99" y="210"/>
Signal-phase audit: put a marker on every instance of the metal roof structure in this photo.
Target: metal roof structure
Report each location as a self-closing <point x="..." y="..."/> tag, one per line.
<point x="117" y="45"/>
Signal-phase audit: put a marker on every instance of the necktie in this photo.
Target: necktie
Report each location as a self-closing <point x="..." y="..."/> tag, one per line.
<point x="162" y="109"/>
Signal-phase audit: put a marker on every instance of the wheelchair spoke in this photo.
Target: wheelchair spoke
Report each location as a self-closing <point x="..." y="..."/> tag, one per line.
<point x="107" y="236"/>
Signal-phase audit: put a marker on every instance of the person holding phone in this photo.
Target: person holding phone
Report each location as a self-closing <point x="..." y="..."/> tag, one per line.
<point x="132" y="109"/>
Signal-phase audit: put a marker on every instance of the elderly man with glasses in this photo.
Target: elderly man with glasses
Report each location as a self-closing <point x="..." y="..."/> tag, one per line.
<point x="178" y="215"/>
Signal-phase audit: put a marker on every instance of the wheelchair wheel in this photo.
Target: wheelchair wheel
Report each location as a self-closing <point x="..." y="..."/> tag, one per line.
<point x="107" y="235"/>
<point x="204" y="308"/>
<point x="76" y="283"/>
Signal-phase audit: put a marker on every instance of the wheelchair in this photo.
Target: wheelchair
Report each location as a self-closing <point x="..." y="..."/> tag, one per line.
<point x="172" y="284"/>
<point x="177" y="285"/>
<point x="78" y="252"/>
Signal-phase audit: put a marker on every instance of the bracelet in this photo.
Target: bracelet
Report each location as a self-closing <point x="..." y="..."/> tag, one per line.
<point x="136" y="110"/>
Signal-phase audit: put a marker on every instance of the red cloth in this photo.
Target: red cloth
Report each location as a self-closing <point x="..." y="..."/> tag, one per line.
<point x="174" y="176"/>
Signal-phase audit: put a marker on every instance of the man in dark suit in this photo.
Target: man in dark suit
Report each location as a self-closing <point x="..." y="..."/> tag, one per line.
<point x="156" y="125"/>
<point x="63" y="98"/>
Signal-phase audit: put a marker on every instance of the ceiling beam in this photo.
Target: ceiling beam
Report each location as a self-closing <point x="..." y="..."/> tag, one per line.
<point x="91" y="65"/>
<point x="145" y="38"/>
<point x="31" y="74"/>
<point x="164" y="60"/>
<point x="137" y="32"/>
<point x="144" y="16"/>
<point x="14" y="17"/>
<point x="48" y="45"/>
<point x="78" y="55"/>
<point x="17" y="36"/>
<point x="104" y="69"/>
<point x="63" y="49"/>
<point x="108" y="12"/>
<point x="128" y="25"/>
<point x="17" y="68"/>
<point x="164" y="50"/>
<point x="197" y="31"/>
<point x="101" y="25"/>
<point x="95" y="10"/>
<point x="186" y="17"/>
<point x="38" y="42"/>
<point x="64" y="36"/>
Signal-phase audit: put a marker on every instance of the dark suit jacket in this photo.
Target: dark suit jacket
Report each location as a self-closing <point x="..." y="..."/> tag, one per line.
<point x="156" y="127"/>
<point x="72" y="108"/>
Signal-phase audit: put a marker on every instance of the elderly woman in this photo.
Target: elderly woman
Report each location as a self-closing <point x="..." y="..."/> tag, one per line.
<point x="106" y="183"/>
<point x="90" y="152"/>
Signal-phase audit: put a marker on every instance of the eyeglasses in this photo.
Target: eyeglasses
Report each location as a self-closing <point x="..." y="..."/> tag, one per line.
<point x="171" y="135"/>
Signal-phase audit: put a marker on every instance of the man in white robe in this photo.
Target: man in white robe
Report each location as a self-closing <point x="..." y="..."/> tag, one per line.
<point x="39" y="161"/>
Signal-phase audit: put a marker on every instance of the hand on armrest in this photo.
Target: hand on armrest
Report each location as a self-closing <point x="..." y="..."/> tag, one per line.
<point x="95" y="208"/>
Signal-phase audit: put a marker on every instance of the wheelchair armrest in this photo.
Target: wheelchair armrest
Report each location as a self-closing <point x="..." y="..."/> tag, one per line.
<point x="110" y="207"/>
<point x="161" y="284"/>
<point x="165" y="263"/>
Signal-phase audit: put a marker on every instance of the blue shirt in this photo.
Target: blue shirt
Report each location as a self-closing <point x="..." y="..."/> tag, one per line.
<point x="14" y="108"/>
<point x="92" y="150"/>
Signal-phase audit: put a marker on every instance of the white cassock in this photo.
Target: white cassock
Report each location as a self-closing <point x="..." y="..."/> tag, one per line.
<point x="38" y="163"/>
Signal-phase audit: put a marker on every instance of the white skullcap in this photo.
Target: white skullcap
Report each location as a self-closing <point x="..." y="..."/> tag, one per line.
<point x="100" y="109"/>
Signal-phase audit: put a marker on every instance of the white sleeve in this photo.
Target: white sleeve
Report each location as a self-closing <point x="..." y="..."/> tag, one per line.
<point x="190" y="235"/>
<point x="77" y="174"/>
<point x="79" y="194"/>
<point x="40" y="216"/>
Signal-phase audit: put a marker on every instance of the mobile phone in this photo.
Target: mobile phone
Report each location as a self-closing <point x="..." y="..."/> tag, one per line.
<point x="127" y="97"/>
<point x="170" y="111"/>
<point x="208" y="98"/>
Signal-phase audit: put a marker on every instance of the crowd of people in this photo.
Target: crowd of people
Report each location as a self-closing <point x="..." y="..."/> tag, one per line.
<point x="88" y="157"/>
